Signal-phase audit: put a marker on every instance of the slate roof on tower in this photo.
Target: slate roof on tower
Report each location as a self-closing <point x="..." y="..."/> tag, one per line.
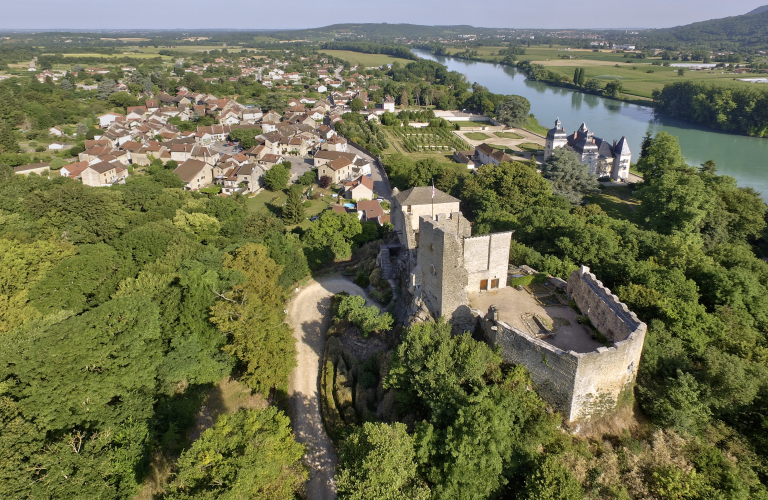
<point x="423" y="196"/>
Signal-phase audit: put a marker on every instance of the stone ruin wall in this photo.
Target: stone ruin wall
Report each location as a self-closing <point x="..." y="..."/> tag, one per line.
<point x="580" y="385"/>
<point x="486" y="257"/>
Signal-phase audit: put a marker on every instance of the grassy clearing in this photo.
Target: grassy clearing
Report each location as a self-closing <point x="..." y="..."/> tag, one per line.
<point x="365" y="60"/>
<point x="259" y="202"/>
<point x="617" y="202"/>
<point x="533" y="126"/>
<point x="477" y="136"/>
<point x="507" y="135"/>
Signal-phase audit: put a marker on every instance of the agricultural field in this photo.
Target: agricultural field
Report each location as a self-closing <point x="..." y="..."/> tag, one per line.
<point x="365" y="60"/>
<point x="603" y="66"/>
<point x="429" y="140"/>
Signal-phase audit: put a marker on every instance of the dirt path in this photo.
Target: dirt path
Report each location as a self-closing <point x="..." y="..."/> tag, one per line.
<point x="309" y="315"/>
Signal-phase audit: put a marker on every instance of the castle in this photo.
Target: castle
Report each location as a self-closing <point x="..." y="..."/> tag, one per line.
<point x="450" y="273"/>
<point x="603" y="158"/>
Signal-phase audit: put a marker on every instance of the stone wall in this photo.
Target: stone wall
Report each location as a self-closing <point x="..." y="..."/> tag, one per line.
<point x="580" y="385"/>
<point x="607" y="314"/>
<point x="553" y="371"/>
<point x="407" y="224"/>
<point x="486" y="257"/>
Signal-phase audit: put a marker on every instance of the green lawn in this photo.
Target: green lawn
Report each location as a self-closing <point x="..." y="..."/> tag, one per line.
<point x="477" y="136"/>
<point x="507" y="135"/>
<point x="530" y="147"/>
<point x="473" y="124"/>
<point x="533" y="126"/>
<point x="365" y="60"/>
<point x="617" y="202"/>
<point x="259" y="202"/>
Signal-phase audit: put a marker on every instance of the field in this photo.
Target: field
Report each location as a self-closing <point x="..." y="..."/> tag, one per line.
<point x="473" y="124"/>
<point x="617" y="202"/>
<point x="365" y="60"/>
<point x="602" y="66"/>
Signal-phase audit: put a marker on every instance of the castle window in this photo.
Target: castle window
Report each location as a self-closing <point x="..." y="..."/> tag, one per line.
<point x="408" y="209"/>
<point x="430" y="247"/>
<point x="432" y="270"/>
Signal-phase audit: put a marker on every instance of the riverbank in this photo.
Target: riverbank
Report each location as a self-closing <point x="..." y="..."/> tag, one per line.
<point x="743" y="157"/>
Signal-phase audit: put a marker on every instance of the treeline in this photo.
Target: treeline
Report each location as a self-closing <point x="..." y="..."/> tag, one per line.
<point x="688" y="269"/>
<point x="121" y="308"/>
<point x="372" y="48"/>
<point x="739" y="109"/>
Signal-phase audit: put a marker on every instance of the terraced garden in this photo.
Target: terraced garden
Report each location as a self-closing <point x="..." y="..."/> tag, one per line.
<point x="420" y="140"/>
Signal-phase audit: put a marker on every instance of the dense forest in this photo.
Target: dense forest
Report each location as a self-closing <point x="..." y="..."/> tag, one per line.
<point x="121" y="308"/>
<point x="737" y="109"/>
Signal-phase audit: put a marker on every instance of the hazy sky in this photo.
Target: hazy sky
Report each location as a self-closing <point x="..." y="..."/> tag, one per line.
<point x="260" y="14"/>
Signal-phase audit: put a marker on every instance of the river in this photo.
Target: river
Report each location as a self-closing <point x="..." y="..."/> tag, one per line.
<point x="745" y="158"/>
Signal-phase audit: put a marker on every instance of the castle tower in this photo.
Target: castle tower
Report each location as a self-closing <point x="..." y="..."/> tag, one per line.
<point x="556" y="138"/>
<point x="622" y="157"/>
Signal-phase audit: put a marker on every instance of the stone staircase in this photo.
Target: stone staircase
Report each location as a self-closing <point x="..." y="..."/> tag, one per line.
<point x="386" y="266"/>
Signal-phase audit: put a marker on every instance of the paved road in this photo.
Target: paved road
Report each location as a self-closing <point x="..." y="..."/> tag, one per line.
<point x="380" y="181"/>
<point x="309" y="314"/>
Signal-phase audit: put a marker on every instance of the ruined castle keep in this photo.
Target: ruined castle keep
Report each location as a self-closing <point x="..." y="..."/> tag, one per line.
<point x="447" y="269"/>
<point x="445" y="261"/>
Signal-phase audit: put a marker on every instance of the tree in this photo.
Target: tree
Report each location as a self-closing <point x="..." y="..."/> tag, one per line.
<point x="593" y="85"/>
<point x="330" y="237"/>
<point x="357" y="104"/>
<point x="277" y="177"/>
<point x="251" y="316"/>
<point x="568" y="176"/>
<point x="8" y="143"/>
<point x="681" y="72"/>
<point x="551" y="481"/>
<point x="325" y="181"/>
<point x="579" y="77"/>
<point x="659" y="155"/>
<point x="708" y="167"/>
<point x="514" y="111"/>
<point x="368" y="319"/>
<point x="249" y="454"/>
<point x="105" y="89"/>
<point x="92" y="371"/>
<point x="275" y="102"/>
<point x="293" y="210"/>
<point x="81" y="129"/>
<point x="379" y="461"/>
<point x="677" y="201"/>
<point x="613" y="88"/>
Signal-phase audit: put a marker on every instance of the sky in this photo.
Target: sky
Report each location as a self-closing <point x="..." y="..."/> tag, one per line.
<point x="255" y="14"/>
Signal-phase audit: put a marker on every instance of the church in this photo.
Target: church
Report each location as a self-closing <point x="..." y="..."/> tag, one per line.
<point x="604" y="159"/>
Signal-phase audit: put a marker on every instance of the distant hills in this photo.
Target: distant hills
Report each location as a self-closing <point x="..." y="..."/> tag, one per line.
<point x="748" y="30"/>
<point x="758" y="10"/>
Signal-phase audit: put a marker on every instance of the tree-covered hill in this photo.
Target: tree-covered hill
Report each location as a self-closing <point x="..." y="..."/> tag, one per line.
<point x="748" y="30"/>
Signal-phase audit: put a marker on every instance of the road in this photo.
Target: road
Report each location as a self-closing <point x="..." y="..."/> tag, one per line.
<point x="380" y="182"/>
<point x="309" y="314"/>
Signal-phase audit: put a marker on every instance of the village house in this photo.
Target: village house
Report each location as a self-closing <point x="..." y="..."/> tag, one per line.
<point x="338" y="170"/>
<point x="359" y="189"/>
<point x="103" y="174"/>
<point x="195" y="174"/>
<point x="370" y="210"/>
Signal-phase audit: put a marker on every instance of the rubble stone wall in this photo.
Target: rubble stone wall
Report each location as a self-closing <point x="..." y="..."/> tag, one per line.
<point x="580" y="385"/>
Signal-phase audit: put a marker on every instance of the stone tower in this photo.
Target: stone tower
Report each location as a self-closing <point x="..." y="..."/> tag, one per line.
<point x="622" y="156"/>
<point x="556" y="138"/>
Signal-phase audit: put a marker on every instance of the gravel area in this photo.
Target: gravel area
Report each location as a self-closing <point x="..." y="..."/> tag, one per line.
<point x="309" y="315"/>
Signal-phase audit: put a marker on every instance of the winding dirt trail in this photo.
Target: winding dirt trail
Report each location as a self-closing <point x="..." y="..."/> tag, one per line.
<point x="309" y="314"/>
